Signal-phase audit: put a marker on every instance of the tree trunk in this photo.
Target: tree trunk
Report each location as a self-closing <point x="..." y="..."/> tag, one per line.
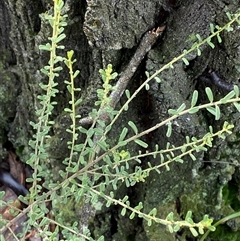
<point x="102" y="32"/>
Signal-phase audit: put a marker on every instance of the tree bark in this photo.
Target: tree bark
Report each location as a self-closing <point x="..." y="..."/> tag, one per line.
<point x="102" y="32"/>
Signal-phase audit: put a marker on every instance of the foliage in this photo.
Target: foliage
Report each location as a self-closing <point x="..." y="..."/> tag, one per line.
<point x="95" y="159"/>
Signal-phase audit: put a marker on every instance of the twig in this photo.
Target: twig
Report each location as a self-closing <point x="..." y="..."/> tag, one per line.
<point x="148" y="40"/>
<point x="216" y="80"/>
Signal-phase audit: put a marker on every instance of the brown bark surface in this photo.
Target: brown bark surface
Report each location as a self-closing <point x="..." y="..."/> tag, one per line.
<point x="102" y="32"/>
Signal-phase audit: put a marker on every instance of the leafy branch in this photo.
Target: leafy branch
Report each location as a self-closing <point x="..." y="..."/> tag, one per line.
<point x="57" y="22"/>
<point x="74" y="103"/>
<point x="195" y="46"/>
<point x="169" y="222"/>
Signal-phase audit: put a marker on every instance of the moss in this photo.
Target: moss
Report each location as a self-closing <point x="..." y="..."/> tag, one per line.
<point x="157" y="232"/>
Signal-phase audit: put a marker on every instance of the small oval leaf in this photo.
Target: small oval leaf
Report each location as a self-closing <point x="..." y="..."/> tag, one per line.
<point x="133" y="126"/>
<point x="209" y="94"/>
<point x="141" y="143"/>
<point x="194" y="98"/>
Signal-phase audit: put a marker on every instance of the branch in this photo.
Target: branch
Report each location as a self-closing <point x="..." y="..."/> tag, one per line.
<point x="148" y="40"/>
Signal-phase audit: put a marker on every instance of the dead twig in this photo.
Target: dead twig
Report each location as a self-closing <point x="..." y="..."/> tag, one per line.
<point x="216" y="80"/>
<point x="146" y="43"/>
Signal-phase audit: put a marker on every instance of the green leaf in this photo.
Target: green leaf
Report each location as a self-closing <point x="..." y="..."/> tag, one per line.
<point x="44" y="71"/>
<point x="236" y="90"/>
<point x="153" y="212"/>
<point x="125" y="199"/>
<point x="170" y="229"/>
<point x="127" y="92"/>
<point x="170" y="217"/>
<point x="178" y="159"/>
<point x="47" y="67"/>
<point x="67" y="110"/>
<point x="149" y="222"/>
<point x="83" y="130"/>
<point x="210" y="43"/>
<point x="76" y="74"/>
<point x="63" y="23"/>
<point x="103" y="145"/>
<point x="199" y="37"/>
<point x="158" y="80"/>
<point x="199" y="52"/>
<point x="60" y="30"/>
<point x="70" y="54"/>
<point x="133" y="126"/>
<point x="194" y="232"/>
<point x="237" y="105"/>
<point x="211" y="228"/>
<point x="101" y="238"/>
<point x="229" y="15"/>
<point x="185" y="61"/>
<point x="78" y="102"/>
<point x="132" y="215"/>
<point x="90" y="142"/>
<point x="99" y="131"/>
<point x="2" y="193"/>
<point x="212" y="28"/>
<point x="147" y="74"/>
<point x="123" y="212"/>
<point x="211" y="110"/>
<point x="90" y="132"/>
<point x="219" y="38"/>
<point x="194" y="98"/>
<point x="200" y="230"/>
<point x="229" y="96"/>
<point x="188" y="215"/>
<point x="192" y="156"/>
<point x="169" y="130"/>
<point x="147" y="87"/>
<point x="141" y="143"/>
<point x="211" y="129"/>
<point x="127" y="183"/>
<point x="193" y="110"/>
<point x="60" y="37"/>
<point x="176" y="228"/>
<point x="46" y="47"/>
<point x="122" y="143"/>
<point x="69" y="88"/>
<point x="209" y="94"/>
<point x="139" y="206"/>
<point x="101" y="123"/>
<point x="229" y="28"/>
<point x="114" y="75"/>
<point x="59" y="68"/>
<point x="123" y="134"/>
<point x="108" y="204"/>
<point x="181" y="108"/>
<point x="218" y="113"/>
<point x="67" y="82"/>
<point x="60" y="47"/>
<point x="172" y="112"/>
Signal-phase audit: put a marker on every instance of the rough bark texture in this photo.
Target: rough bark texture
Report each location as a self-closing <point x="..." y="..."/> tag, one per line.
<point x="102" y="32"/>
